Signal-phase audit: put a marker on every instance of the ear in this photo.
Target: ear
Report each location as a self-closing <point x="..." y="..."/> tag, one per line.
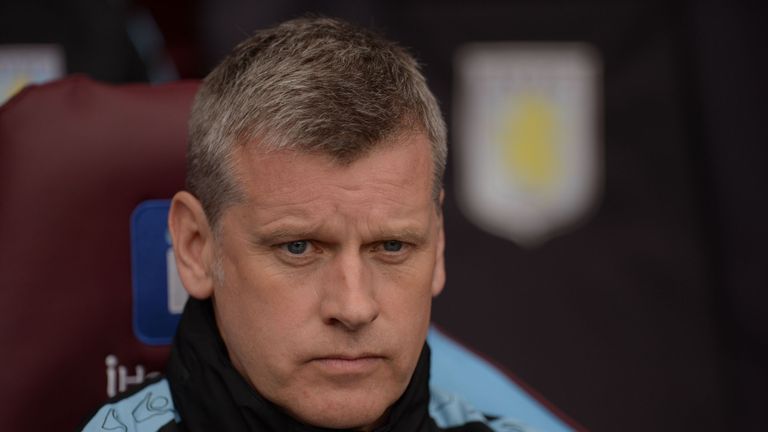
<point x="192" y="244"/>
<point x="438" y="275"/>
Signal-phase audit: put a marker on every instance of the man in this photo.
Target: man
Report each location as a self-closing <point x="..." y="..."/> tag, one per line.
<point x="310" y="240"/>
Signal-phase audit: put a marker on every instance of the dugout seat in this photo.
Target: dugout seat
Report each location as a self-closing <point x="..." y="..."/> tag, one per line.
<point x="89" y="304"/>
<point x="76" y="158"/>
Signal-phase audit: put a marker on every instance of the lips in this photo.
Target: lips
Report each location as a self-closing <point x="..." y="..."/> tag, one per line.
<point x="346" y="364"/>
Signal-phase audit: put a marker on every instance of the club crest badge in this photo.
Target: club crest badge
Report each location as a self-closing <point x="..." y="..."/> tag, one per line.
<point x="21" y="65"/>
<point x="526" y="133"/>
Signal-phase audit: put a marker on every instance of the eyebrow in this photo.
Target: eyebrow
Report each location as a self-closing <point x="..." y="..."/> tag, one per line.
<point x="407" y="234"/>
<point x="281" y="235"/>
<point x="285" y="234"/>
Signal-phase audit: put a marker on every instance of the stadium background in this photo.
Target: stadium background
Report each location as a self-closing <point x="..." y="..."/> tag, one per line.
<point x="651" y="315"/>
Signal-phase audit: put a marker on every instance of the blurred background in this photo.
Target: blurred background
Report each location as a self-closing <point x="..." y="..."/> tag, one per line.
<point x="629" y="287"/>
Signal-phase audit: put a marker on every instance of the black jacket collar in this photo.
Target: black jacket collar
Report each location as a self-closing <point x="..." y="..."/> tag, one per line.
<point x="210" y="394"/>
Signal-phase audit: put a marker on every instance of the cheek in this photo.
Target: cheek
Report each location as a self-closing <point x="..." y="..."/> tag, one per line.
<point x="405" y="298"/>
<point x="410" y="281"/>
<point x="260" y="314"/>
<point x="265" y="290"/>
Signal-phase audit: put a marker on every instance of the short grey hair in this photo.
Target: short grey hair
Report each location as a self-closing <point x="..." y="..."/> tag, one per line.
<point x="315" y="85"/>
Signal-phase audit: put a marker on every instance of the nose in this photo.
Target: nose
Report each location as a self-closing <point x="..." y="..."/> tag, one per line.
<point x="348" y="298"/>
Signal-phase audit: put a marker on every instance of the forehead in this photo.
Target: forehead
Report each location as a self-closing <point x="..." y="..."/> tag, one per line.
<point x="394" y="175"/>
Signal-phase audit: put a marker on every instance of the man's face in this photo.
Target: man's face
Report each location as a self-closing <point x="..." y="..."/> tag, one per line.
<point x="325" y="278"/>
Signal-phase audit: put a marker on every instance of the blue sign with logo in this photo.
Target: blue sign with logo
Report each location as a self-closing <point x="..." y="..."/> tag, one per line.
<point x="158" y="296"/>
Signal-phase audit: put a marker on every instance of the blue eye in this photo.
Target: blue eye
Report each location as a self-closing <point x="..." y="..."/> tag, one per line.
<point x="296" y="247"/>
<point x="392" y="245"/>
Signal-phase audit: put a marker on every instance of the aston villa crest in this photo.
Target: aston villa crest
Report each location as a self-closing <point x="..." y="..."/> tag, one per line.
<point x="527" y="141"/>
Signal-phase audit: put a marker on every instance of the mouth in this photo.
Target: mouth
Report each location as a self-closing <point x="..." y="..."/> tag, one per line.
<point x="342" y="364"/>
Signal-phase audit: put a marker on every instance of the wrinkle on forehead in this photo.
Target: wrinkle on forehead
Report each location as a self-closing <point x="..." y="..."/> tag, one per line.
<point x="387" y="192"/>
<point x="327" y="216"/>
<point x="272" y="177"/>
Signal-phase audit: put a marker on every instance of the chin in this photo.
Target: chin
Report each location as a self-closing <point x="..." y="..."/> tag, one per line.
<point x="362" y="422"/>
<point x="362" y="413"/>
